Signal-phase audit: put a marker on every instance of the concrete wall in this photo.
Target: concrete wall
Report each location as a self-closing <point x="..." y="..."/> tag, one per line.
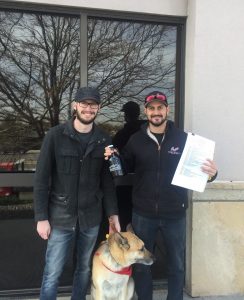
<point x="214" y="108"/>
<point x="215" y="242"/>
<point x="214" y="79"/>
<point x="165" y="7"/>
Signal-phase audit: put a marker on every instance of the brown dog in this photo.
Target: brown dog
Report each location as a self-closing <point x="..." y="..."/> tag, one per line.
<point x="111" y="271"/>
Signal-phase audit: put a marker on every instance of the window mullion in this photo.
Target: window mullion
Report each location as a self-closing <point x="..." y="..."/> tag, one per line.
<point x="83" y="50"/>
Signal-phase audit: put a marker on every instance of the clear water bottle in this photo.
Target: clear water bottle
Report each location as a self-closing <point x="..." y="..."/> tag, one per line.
<point x="115" y="166"/>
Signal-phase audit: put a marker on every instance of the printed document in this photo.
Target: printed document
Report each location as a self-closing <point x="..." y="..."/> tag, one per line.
<point x="188" y="173"/>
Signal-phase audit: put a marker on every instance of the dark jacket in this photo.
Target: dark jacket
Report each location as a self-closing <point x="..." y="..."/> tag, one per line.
<point x="154" y="167"/>
<point x="70" y="185"/>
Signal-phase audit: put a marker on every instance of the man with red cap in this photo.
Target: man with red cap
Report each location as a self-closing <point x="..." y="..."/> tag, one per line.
<point x="153" y="154"/>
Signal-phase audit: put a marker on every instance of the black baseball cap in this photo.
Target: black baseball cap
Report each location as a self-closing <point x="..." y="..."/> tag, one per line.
<point x="132" y="107"/>
<point x="88" y="93"/>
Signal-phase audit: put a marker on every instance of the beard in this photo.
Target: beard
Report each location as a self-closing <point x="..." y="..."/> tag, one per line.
<point x="159" y="123"/>
<point x="85" y="121"/>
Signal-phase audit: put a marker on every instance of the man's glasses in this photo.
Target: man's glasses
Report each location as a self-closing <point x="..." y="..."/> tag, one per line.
<point x="157" y="96"/>
<point x="86" y="104"/>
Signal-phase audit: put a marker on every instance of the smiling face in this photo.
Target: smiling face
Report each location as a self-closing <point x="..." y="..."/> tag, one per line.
<point x="156" y="113"/>
<point x="86" y="111"/>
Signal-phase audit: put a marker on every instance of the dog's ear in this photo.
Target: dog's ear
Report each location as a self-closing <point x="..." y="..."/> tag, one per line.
<point x="121" y="241"/>
<point x="129" y="228"/>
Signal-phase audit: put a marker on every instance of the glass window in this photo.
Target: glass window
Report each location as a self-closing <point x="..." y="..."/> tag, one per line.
<point x="40" y="70"/>
<point x="39" y="74"/>
<point x="41" y="67"/>
<point x="127" y="60"/>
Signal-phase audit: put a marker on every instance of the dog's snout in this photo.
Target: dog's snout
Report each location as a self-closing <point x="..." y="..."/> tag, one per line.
<point x="153" y="257"/>
<point x="147" y="259"/>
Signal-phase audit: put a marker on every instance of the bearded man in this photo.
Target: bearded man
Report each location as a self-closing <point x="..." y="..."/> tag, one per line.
<point x="153" y="154"/>
<point x="72" y="186"/>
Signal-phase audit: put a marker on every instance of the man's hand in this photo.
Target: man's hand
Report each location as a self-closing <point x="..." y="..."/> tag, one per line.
<point x="108" y="152"/>
<point x="114" y="225"/>
<point x="209" y="167"/>
<point x="43" y="228"/>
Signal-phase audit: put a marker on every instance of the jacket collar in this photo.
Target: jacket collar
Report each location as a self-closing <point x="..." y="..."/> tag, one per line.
<point x="97" y="137"/>
<point x="69" y="128"/>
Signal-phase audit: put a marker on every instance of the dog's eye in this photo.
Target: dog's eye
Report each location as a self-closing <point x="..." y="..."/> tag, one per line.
<point x="142" y="249"/>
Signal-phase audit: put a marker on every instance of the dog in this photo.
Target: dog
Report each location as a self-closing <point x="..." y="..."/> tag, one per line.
<point x="111" y="269"/>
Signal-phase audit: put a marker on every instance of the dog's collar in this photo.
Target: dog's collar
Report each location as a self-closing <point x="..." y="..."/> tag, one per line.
<point x="124" y="271"/>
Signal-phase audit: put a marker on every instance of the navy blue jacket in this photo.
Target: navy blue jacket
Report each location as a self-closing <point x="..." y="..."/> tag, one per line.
<point x="70" y="185"/>
<point x="154" y="166"/>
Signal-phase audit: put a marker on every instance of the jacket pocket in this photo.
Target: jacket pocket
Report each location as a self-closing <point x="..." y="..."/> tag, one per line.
<point x="175" y="198"/>
<point x="68" y="162"/>
<point x="59" y="199"/>
<point x="59" y="209"/>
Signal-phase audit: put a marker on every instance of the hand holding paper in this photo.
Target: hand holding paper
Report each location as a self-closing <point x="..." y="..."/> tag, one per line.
<point x="195" y="163"/>
<point x="209" y="167"/>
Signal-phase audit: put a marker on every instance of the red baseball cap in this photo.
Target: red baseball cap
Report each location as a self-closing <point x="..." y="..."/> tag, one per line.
<point x="156" y="95"/>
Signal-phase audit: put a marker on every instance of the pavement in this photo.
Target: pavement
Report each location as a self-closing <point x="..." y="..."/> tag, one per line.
<point x="157" y="295"/>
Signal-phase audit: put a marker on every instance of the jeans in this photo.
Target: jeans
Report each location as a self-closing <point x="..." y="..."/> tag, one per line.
<point x="58" y="248"/>
<point x="173" y="232"/>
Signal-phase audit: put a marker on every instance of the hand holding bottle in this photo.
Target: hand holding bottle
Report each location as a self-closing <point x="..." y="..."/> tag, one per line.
<point x="115" y="167"/>
<point x="109" y="151"/>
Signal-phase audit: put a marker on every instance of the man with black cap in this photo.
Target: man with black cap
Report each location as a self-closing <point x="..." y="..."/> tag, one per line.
<point x="153" y="154"/>
<point x="72" y="185"/>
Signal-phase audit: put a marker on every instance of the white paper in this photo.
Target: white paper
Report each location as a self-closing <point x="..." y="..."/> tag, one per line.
<point x="188" y="173"/>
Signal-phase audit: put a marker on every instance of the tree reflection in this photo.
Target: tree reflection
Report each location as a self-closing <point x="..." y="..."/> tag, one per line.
<point x="40" y="67"/>
<point x="126" y="59"/>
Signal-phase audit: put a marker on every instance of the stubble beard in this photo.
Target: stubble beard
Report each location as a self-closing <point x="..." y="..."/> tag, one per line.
<point x="158" y="124"/>
<point x="84" y="121"/>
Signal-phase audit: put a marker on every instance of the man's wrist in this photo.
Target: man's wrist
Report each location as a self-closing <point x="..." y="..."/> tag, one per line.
<point x="111" y="218"/>
<point x="212" y="178"/>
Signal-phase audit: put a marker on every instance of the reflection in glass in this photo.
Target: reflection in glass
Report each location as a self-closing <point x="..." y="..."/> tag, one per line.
<point x="16" y="202"/>
<point x="39" y="73"/>
<point x="126" y="60"/>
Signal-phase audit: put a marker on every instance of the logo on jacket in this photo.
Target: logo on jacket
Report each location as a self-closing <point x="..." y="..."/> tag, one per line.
<point x="174" y="150"/>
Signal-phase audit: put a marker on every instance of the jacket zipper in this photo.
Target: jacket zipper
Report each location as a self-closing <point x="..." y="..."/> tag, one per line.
<point x="158" y="174"/>
<point x="159" y="146"/>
